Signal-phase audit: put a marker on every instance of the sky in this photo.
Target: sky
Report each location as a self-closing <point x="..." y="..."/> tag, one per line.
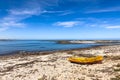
<point x="59" y="19"/>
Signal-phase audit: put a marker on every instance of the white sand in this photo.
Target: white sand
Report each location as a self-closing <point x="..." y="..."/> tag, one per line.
<point x="56" y="67"/>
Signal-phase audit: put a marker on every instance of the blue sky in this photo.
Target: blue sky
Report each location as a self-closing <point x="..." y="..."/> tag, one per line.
<point x="59" y="19"/>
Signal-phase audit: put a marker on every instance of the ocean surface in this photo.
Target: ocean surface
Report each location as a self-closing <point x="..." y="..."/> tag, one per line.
<point x="7" y="47"/>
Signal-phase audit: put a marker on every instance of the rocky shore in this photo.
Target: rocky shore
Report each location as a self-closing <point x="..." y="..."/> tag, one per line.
<point x="107" y="42"/>
<point x="55" y="66"/>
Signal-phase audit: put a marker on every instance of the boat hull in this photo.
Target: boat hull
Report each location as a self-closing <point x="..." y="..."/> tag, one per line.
<point x="85" y="60"/>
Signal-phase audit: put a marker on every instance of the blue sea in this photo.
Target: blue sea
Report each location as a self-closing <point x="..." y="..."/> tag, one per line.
<point x="7" y="47"/>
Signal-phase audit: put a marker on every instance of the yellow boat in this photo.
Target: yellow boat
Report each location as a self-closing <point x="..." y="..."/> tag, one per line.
<point x="86" y="60"/>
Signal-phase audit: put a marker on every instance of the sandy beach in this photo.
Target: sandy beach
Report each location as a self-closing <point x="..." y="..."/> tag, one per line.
<point x="55" y="66"/>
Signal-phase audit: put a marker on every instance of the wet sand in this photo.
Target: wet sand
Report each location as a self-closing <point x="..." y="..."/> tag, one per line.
<point x="55" y="66"/>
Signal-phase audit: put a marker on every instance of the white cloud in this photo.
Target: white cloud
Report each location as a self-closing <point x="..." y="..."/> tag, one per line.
<point x="15" y="16"/>
<point x="109" y="23"/>
<point x="66" y="13"/>
<point x="113" y="9"/>
<point x="67" y="23"/>
<point x="46" y="11"/>
<point x="12" y="23"/>
<point x="28" y="9"/>
<point x="6" y="25"/>
<point x="25" y="12"/>
<point x="113" y="27"/>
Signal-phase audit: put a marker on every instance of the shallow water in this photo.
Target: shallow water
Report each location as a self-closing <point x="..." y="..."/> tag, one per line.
<point x="7" y="47"/>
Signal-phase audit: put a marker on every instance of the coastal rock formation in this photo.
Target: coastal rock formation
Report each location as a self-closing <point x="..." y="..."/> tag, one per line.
<point x="88" y="41"/>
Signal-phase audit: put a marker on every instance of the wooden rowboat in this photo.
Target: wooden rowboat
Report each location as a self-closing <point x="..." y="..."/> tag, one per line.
<point x="86" y="60"/>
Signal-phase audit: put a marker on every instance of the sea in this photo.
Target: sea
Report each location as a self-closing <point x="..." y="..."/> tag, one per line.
<point x="11" y="46"/>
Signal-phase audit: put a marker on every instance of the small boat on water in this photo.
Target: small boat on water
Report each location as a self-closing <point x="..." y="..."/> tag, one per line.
<point x="86" y="60"/>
